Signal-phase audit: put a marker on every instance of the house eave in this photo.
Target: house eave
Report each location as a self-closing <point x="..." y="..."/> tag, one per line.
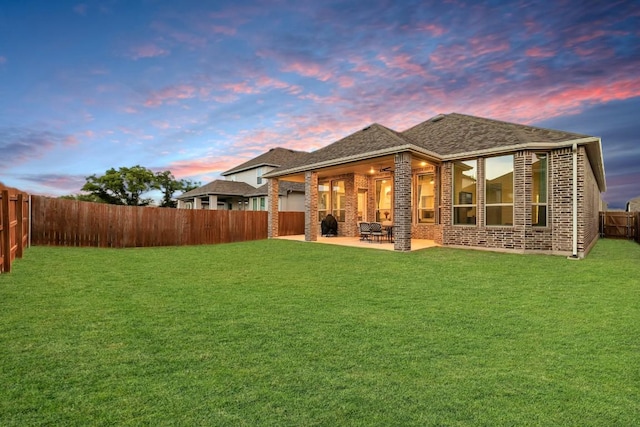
<point x="354" y="158"/>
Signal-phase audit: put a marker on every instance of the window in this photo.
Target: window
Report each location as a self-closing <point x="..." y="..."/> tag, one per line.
<point x="338" y="200"/>
<point x="255" y="203"/>
<point x="331" y="200"/>
<point x="383" y="200"/>
<point x="426" y="198"/>
<point x="464" y="192"/>
<point x="498" y="186"/>
<point x="323" y="199"/>
<point x="539" y="193"/>
<point x="263" y="203"/>
<point x="259" y="176"/>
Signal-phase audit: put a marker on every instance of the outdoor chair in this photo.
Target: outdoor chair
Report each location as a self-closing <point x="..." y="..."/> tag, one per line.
<point x="365" y="230"/>
<point x="376" y="231"/>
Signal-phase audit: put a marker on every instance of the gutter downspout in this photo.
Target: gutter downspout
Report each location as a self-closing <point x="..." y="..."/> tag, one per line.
<point x="575" y="201"/>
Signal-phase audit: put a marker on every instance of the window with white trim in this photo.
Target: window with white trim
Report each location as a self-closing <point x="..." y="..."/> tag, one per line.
<point x="259" y="176"/>
<point x="426" y="198"/>
<point x="464" y="192"/>
<point x="539" y="190"/>
<point x="498" y="186"/>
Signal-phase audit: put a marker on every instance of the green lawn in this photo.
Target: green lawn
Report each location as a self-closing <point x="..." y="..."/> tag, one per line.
<point x="294" y="334"/>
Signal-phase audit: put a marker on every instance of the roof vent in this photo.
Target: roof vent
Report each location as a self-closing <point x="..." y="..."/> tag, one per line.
<point x="367" y="128"/>
<point x="437" y="118"/>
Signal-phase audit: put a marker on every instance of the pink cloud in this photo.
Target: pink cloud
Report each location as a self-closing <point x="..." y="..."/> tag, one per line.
<point x="591" y="35"/>
<point x="222" y="29"/>
<point x="308" y="70"/>
<point x="501" y="67"/>
<point x="148" y="50"/>
<point x="433" y="29"/>
<point x="538" y="52"/>
<point x="171" y="94"/>
<point x="404" y="62"/>
<point x="242" y="88"/>
<point x="207" y="165"/>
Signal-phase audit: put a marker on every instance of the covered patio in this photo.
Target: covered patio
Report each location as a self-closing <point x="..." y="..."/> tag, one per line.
<point x="356" y="242"/>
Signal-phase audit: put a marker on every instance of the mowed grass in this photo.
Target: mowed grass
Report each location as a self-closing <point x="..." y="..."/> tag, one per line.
<point x="294" y="334"/>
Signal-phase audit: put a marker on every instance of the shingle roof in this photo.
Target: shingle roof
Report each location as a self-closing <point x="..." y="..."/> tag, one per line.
<point x="366" y="143"/>
<point x="443" y="137"/>
<point x="221" y="187"/>
<point x="274" y="157"/>
<point x="455" y="134"/>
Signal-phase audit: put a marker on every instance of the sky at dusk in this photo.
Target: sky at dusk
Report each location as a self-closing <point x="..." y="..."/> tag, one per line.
<point x="197" y="87"/>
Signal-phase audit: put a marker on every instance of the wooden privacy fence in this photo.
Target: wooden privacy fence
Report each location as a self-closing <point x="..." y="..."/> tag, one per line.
<point x="62" y="222"/>
<point x="14" y="226"/>
<point x="620" y="224"/>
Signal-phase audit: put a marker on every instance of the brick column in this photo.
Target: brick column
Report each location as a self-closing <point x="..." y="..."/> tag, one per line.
<point x="402" y="202"/>
<point x="311" y="206"/>
<point x="274" y="223"/>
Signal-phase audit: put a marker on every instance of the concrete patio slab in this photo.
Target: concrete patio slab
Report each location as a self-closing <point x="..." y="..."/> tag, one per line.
<point x="416" y="244"/>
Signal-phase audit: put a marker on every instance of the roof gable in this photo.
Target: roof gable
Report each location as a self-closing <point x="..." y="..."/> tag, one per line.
<point x="365" y="143"/>
<point x="274" y="157"/>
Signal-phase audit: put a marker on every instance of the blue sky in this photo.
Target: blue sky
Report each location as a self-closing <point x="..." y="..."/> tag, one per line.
<point x="197" y="87"/>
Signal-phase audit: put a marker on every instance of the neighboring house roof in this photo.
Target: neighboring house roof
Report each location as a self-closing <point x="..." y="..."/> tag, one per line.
<point x="284" y="188"/>
<point x="274" y="157"/>
<point x="221" y="187"/>
<point x="241" y="189"/>
<point x="444" y="137"/>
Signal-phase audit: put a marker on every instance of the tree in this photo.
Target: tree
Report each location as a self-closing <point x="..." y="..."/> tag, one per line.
<point x="82" y="198"/>
<point x="168" y="185"/>
<point x="124" y="186"/>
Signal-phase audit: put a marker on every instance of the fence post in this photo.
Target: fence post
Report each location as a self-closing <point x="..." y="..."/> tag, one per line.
<point x="20" y="225"/>
<point x="6" y="232"/>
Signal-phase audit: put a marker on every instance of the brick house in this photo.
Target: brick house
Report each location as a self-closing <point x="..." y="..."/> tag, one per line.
<point x="244" y="188"/>
<point x="460" y="180"/>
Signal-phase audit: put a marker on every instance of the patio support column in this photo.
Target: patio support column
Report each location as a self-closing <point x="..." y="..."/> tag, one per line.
<point x="272" y="199"/>
<point x="213" y="202"/>
<point x="197" y="203"/>
<point x="310" y="206"/>
<point x="402" y="202"/>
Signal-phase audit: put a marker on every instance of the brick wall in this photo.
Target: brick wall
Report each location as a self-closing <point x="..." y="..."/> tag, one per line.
<point x="273" y="189"/>
<point x="522" y="236"/>
<point x="561" y="186"/>
<point x="311" y="206"/>
<point x="402" y="183"/>
<point x="589" y="204"/>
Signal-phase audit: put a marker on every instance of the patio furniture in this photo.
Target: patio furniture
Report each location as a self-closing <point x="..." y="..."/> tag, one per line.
<point x="376" y="231"/>
<point x="365" y="230"/>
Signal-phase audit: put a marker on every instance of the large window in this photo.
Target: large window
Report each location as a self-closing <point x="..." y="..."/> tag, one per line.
<point x="384" y="200"/>
<point x="259" y="176"/>
<point x="331" y="200"/>
<point x="324" y="194"/>
<point x="426" y="199"/>
<point x="499" y="190"/>
<point x="539" y="193"/>
<point x="338" y="200"/>
<point x="464" y="192"/>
